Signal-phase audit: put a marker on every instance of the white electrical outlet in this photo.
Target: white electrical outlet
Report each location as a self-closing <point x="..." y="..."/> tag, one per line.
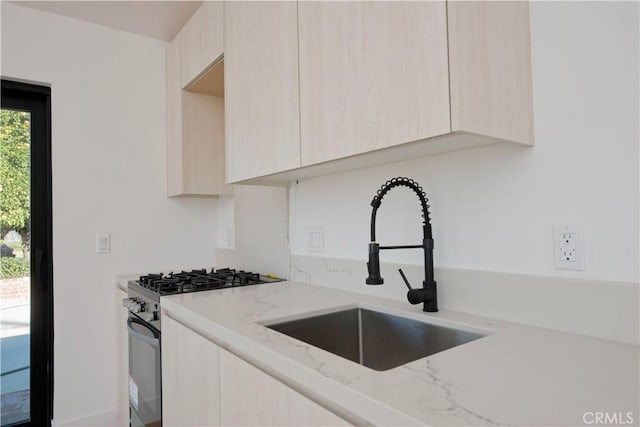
<point x="568" y="247"/>
<point x="103" y="243"/>
<point x="315" y="239"/>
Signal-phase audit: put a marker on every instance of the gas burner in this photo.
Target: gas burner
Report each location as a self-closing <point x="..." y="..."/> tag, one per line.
<point x="146" y="280"/>
<point x="200" y="280"/>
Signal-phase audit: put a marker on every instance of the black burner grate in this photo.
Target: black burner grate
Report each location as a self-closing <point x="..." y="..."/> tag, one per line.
<point x="201" y="280"/>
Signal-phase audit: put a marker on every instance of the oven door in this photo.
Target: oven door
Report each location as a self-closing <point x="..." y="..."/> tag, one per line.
<point x="145" y="400"/>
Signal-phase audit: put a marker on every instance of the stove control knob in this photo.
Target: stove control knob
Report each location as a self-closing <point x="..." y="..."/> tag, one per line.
<point x="132" y="304"/>
<point x="147" y="316"/>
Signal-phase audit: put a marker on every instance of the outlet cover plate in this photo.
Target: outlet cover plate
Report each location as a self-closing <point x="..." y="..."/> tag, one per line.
<point x="315" y="239"/>
<point x="103" y="243"/>
<point x="568" y="247"/>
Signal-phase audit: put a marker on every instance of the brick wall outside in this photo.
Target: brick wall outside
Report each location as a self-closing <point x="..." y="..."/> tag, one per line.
<point x="18" y="288"/>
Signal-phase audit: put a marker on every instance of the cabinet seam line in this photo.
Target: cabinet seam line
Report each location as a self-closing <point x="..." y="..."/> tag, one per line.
<point x="299" y="86"/>
<point x="446" y="15"/>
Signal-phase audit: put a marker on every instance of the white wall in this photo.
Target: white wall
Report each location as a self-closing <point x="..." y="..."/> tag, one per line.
<point x="493" y="207"/>
<point x="253" y="230"/>
<point x="109" y="139"/>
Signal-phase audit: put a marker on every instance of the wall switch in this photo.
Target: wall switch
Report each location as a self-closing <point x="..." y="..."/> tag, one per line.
<point x="568" y="247"/>
<point x="103" y="243"/>
<point x="315" y="239"/>
<point x="230" y="239"/>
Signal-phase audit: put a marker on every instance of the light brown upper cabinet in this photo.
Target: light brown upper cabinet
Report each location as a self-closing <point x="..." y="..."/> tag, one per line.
<point x="202" y="41"/>
<point x="372" y="75"/>
<point x="379" y="82"/>
<point x="195" y="135"/>
<point x="261" y="88"/>
<point x="490" y="69"/>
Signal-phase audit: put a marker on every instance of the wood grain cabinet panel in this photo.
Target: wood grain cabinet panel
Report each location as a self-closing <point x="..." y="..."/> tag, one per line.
<point x="203" y="144"/>
<point x="212" y="35"/>
<point x="490" y="61"/>
<point x="201" y="41"/>
<point x="261" y="88"/>
<point x="190" y="377"/>
<point x="195" y="135"/>
<point x="250" y="397"/>
<point x="372" y="75"/>
<point x="174" y="118"/>
<point x="378" y="82"/>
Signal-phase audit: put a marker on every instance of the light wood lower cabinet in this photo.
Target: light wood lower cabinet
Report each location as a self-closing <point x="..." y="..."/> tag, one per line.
<point x="122" y="349"/>
<point x="190" y="377"/>
<point x="249" y="397"/>
<point x="204" y="385"/>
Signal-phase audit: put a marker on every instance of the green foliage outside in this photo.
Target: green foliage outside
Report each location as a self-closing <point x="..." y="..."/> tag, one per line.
<point x="15" y="129"/>
<point x="13" y="267"/>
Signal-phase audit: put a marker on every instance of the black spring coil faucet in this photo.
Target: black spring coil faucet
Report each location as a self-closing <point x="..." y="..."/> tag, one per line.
<point x="427" y="295"/>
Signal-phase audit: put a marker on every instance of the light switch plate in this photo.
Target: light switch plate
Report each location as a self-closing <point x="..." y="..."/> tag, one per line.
<point x="103" y="243"/>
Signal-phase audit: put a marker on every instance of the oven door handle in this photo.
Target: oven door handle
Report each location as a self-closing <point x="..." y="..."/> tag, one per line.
<point x="155" y="342"/>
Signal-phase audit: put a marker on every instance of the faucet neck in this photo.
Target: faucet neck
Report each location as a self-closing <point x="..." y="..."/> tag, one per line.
<point x="401" y="182"/>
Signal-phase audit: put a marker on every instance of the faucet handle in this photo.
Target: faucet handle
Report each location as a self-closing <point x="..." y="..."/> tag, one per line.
<point x="404" y="278"/>
<point x="415" y="296"/>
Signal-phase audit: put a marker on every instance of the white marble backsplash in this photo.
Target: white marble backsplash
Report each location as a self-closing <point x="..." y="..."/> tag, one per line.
<point x="609" y="310"/>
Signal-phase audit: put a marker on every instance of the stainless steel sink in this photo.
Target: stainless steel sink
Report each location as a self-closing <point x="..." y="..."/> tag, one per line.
<point x="378" y="340"/>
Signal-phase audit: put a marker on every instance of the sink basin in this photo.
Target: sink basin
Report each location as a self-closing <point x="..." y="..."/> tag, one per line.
<point x="375" y="339"/>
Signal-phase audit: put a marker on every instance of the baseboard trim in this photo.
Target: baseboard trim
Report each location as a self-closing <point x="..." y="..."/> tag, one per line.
<point x="100" y="419"/>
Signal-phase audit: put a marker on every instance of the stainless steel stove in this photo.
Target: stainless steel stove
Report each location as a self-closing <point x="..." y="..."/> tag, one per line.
<point x="143" y="303"/>
<point x="144" y="294"/>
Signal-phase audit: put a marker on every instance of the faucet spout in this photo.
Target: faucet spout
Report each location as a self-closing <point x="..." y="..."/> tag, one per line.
<point x="374" y="265"/>
<point x="427" y="294"/>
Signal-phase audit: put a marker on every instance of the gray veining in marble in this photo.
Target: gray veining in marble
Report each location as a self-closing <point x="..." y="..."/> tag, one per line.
<point x="517" y="375"/>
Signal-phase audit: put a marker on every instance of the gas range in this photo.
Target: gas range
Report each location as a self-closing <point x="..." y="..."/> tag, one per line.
<point x="143" y="324"/>
<point x="143" y="295"/>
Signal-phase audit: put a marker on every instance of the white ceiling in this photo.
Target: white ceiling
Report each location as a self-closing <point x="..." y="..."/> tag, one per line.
<point x="156" y="19"/>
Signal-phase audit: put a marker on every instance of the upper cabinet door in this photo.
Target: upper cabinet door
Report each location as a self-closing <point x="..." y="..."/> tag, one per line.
<point x="261" y="88"/>
<point x="372" y="75"/>
<point x="202" y="41"/>
<point x="490" y="60"/>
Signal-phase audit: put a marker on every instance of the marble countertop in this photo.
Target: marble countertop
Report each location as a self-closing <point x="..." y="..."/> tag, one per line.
<point x="123" y="280"/>
<point x="516" y="375"/>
